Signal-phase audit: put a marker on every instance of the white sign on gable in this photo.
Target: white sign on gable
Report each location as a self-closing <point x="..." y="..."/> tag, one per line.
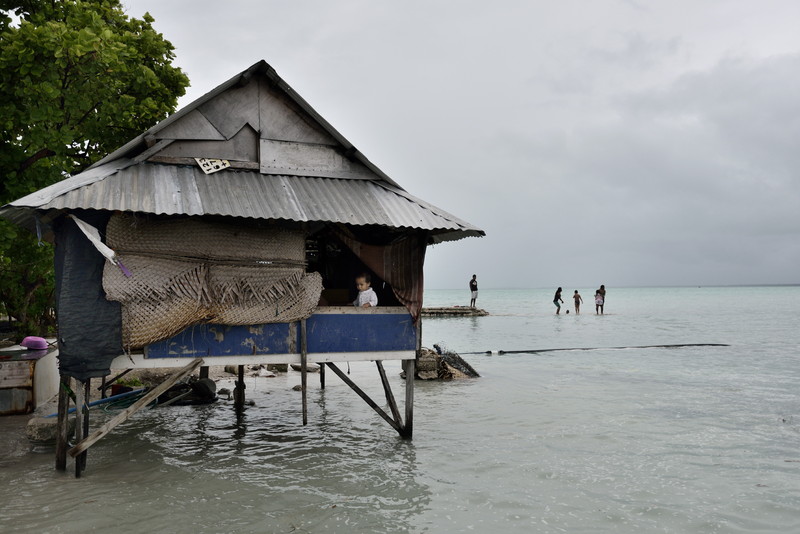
<point x="210" y="166"/>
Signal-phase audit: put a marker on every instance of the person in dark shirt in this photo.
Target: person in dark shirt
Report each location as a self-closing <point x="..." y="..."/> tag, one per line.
<point x="600" y="299"/>
<point x="556" y="300"/>
<point x="473" y="288"/>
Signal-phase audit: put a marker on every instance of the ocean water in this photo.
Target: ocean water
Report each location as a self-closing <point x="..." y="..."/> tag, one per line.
<point x="612" y="439"/>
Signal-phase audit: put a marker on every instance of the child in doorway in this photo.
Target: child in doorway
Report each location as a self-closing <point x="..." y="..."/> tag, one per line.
<point x="366" y="295"/>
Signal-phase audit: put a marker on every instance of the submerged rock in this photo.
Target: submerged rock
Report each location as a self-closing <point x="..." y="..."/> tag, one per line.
<point x="310" y="367"/>
<point x="44" y="429"/>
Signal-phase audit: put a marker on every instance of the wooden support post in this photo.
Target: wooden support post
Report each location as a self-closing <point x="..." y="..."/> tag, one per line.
<point x="322" y="376"/>
<point x="387" y="389"/>
<point x="79" y="407"/>
<point x="138" y="405"/>
<point x="204" y="372"/>
<point x="102" y="388"/>
<point x="364" y="396"/>
<point x="62" y="426"/>
<point x="238" y="391"/>
<point x="409" y="367"/>
<point x="87" y="391"/>
<point x="303" y="370"/>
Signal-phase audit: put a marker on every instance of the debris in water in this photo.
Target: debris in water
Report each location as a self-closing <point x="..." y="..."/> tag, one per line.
<point x="442" y="364"/>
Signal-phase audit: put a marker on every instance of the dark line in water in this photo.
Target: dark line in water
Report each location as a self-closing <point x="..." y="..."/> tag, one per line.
<point x="534" y="351"/>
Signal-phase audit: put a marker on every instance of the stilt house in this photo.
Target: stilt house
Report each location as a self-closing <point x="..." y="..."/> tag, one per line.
<point x="232" y="231"/>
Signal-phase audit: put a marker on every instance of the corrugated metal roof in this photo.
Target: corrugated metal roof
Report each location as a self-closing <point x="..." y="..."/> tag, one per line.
<point x="125" y="180"/>
<point x="186" y="190"/>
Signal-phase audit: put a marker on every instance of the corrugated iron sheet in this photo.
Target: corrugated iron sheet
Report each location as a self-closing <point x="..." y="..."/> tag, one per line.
<point x="125" y="181"/>
<point x="186" y="190"/>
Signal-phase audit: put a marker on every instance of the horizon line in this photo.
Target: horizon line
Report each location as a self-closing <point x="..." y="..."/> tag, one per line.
<point x="677" y="286"/>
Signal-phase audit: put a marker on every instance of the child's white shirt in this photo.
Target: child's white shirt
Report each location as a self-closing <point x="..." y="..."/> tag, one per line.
<point x="368" y="295"/>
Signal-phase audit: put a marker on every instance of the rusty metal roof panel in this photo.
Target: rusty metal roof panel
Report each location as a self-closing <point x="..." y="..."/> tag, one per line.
<point x="186" y="190"/>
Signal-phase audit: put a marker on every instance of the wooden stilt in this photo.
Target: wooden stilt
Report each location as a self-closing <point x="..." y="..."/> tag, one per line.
<point x="409" y="367"/>
<point x="387" y="389"/>
<point x="87" y="391"/>
<point x="238" y="391"/>
<point x="204" y="371"/>
<point x="135" y="407"/>
<point x="303" y="370"/>
<point x="322" y="376"/>
<point x="79" y="407"/>
<point x="62" y="426"/>
<point x="367" y="399"/>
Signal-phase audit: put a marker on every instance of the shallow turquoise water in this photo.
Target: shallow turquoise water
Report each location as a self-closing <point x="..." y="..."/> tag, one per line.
<point x="697" y="439"/>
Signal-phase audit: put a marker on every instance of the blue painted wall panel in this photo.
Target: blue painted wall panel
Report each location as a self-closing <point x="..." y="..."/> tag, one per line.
<point x="360" y="333"/>
<point x="326" y="333"/>
<point x="220" y="340"/>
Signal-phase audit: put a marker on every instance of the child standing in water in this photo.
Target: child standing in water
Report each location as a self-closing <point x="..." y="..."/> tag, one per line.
<point x="578" y="300"/>
<point x="366" y="295"/>
<point x="556" y="299"/>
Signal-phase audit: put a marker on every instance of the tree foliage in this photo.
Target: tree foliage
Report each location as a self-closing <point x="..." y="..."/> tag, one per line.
<point x="78" y="79"/>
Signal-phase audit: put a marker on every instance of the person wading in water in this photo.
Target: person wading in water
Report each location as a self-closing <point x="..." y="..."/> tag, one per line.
<point x="556" y="300"/>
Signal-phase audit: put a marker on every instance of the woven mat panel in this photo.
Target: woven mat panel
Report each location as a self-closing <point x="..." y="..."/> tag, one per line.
<point x="232" y="284"/>
<point x="285" y="309"/>
<point x="186" y="272"/>
<point x="127" y="233"/>
<point x="156" y="279"/>
<point x="164" y="278"/>
<point x="145" y="322"/>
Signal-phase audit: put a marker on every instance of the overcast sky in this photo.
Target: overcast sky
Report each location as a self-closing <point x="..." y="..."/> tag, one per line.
<point x="618" y="142"/>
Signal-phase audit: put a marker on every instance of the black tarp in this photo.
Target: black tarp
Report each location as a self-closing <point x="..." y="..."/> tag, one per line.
<point x="89" y="326"/>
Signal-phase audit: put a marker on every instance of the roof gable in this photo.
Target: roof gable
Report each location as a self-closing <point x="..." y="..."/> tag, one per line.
<point x="255" y="105"/>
